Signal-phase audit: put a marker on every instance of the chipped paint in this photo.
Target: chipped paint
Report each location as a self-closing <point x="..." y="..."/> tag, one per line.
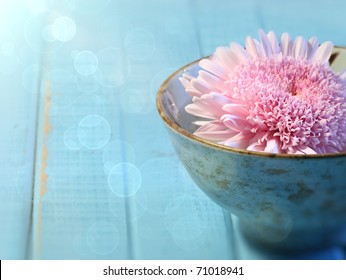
<point x="43" y="171"/>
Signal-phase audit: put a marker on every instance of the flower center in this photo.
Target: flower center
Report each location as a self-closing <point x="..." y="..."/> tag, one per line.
<point x="295" y="100"/>
<point x="288" y="76"/>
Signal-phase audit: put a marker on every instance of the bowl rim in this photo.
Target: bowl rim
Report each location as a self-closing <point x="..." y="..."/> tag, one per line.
<point x="182" y="132"/>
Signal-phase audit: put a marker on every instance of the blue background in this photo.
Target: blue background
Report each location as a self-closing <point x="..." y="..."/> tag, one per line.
<point x="86" y="167"/>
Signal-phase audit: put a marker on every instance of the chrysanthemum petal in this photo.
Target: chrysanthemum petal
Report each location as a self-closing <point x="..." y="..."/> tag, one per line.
<point x="323" y="52"/>
<point x="213" y="80"/>
<point x="266" y="44"/>
<point x="286" y="45"/>
<point x="213" y="68"/>
<point x="197" y="110"/>
<point x="193" y="92"/>
<point x="312" y="47"/>
<point x="239" y="140"/>
<point x="256" y="147"/>
<point x="300" y="48"/>
<point x="215" y="126"/>
<point x="201" y="86"/>
<point x="260" y="50"/>
<point x="273" y="146"/>
<point x="207" y="106"/>
<point x="306" y="151"/>
<point x="184" y="81"/>
<point x="235" y="109"/>
<point x="201" y="123"/>
<point x="214" y="131"/>
<point x="342" y="74"/>
<point x="251" y="48"/>
<point x="235" y="123"/>
<point x="242" y="54"/>
<point x="227" y="58"/>
<point x="274" y="42"/>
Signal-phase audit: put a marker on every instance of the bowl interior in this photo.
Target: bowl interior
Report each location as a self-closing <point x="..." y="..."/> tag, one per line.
<point x="174" y="98"/>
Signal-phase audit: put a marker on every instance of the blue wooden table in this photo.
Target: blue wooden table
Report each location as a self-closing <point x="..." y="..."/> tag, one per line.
<point x="86" y="167"/>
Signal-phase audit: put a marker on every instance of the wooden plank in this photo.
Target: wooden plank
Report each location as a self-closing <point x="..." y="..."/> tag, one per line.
<point x="111" y="186"/>
<point x="19" y="76"/>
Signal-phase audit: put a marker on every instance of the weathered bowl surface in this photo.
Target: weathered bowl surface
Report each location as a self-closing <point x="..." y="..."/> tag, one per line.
<point x="286" y="201"/>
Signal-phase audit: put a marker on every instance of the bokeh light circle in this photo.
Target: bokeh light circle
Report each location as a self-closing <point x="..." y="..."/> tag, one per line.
<point x="124" y="179"/>
<point x="63" y="28"/>
<point x="103" y="237"/>
<point x="35" y="31"/>
<point x="85" y="62"/>
<point x="93" y="132"/>
<point x="135" y="101"/>
<point x="116" y="152"/>
<point x="71" y="140"/>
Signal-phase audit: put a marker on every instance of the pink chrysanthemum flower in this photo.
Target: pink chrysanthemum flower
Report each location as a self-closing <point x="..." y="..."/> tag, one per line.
<point x="272" y="97"/>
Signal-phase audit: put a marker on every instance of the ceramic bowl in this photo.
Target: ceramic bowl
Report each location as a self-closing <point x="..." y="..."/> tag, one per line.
<point x="282" y="201"/>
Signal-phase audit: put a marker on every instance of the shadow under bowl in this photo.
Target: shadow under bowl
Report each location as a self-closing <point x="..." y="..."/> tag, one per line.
<point x="285" y="202"/>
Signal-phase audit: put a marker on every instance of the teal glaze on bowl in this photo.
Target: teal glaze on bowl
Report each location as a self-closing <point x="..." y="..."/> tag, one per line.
<point x="283" y="201"/>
